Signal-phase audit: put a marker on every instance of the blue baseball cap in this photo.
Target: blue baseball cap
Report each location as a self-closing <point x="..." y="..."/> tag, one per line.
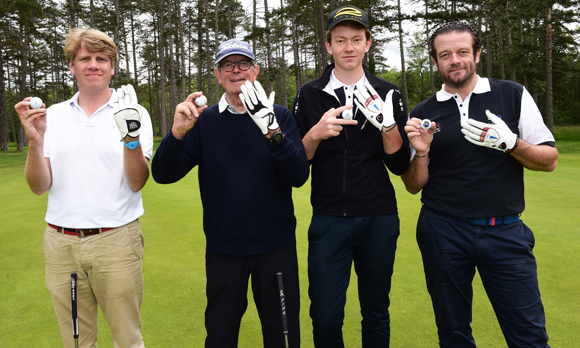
<point x="234" y="46"/>
<point x="347" y="13"/>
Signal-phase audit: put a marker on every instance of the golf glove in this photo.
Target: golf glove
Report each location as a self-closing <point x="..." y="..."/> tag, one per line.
<point x="496" y="135"/>
<point x="127" y="116"/>
<point x="259" y="106"/>
<point x="377" y="111"/>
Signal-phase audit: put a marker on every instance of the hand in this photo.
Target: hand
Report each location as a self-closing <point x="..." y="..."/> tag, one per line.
<point x="498" y="136"/>
<point x="330" y="125"/>
<point x="377" y="111"/>
<point x="186" y="115"/>
<point x="259" y="106"/>
<point x="33" y="120"/>
<point x="419" y="138"/>
<point x="127" y="116"/>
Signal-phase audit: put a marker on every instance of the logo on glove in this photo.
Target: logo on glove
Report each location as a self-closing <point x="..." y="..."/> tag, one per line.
<point x="133" y="125"/>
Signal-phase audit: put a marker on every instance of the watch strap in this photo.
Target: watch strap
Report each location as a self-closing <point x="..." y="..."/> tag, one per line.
<point x="132" y="144"/>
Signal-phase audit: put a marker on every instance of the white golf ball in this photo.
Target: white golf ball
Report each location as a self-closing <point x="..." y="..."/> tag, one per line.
<point x="201" y="100"/>
<point x="347" y="114"/>
<point x="35" y="103"/>
<point x="426" y="124"/>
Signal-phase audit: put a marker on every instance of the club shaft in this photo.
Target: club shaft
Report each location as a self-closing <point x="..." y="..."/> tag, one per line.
<point x="283" y="307"/>
<point x="74" y="306"/>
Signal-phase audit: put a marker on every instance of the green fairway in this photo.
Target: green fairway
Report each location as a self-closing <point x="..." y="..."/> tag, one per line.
<point x="174" y="303"/>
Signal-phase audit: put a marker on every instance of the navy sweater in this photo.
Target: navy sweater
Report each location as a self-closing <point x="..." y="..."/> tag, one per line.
<point x="245" y="183"/>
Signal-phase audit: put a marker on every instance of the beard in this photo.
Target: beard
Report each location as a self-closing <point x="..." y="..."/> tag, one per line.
<point x="462" y="82"/>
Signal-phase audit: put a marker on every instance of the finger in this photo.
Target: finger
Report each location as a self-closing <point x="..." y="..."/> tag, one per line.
<point x="126" y="95"/>
<point x="476" y="142"/>
<point x="120" y="98"/>
<point x="260" y="92"/>
<point x="272" y="97"/>
<point x="132" y="93"/>
<point x="468" y="134"/>
<point x="337" y="112"/>
<point x="115" y="100"/>
<point x="358" y="96"/>
<point x="476" y="124"/>
<point x="243" y="99"/>
<point x="185" y="109"/>
<point x="252" y="92"/>
<point x="363" y="95"/>
<point x="191" y="98"/>
<point x="372" y="90"/>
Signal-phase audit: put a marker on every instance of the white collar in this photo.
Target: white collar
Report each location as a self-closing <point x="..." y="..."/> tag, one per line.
<point x="223" y="105"/>
<point x="481" y="86"/>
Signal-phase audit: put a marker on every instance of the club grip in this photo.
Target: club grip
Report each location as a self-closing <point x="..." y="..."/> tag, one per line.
<point x="283" y="306"/>
<point x="74" y="301"/>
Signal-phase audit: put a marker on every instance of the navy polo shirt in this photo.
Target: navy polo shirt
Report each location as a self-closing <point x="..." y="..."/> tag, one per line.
<point x="470" y="181"/>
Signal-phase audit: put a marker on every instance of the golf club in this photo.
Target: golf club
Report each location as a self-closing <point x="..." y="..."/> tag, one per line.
<point x="283" y="306"/>
<point x="75" y="316"/>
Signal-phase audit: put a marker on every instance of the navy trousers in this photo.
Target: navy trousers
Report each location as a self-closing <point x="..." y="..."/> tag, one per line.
<point x="334" y="243"/>
<point x="452" y="249"/>
<point x="227" y="297"/>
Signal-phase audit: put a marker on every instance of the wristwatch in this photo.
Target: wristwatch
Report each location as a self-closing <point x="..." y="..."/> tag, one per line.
<point x="276" y="137"/>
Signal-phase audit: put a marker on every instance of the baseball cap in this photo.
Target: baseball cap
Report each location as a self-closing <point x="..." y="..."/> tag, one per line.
<point x="234" y="46"/>
<point x="347" y="13"/>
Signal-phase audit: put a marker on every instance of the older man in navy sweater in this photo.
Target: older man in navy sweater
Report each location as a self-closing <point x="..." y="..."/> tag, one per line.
<point x="250" y="155"/>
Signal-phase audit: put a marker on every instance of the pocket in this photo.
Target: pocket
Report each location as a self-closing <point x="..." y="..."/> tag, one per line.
<point x="136" y="238"/>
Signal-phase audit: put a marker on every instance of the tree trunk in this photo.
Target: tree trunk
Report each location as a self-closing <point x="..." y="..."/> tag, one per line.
<point x="92" y="11"/>
<point x="3" y="120"/>
<point x="268" y="48"/>
<point x="208" y="58"/>
<point x="283" y="63"/>
<point x="116" y="37"/>
<point x="217" y="85"/>
<point x="162" y="113"/>
<point x="549" y="95"/>
<point x="402" y="51"/>
<point x="126" y="46"/>
<point x="510" y="47"/>
<point x="295" y="49"/>
<point x="254" y="27"/>
<point x="427" y="33"/>
<point x="488" y="58"/>
<point x="183" y="95"/>
<point x="322" y="40"/>
<point x="24" y="39"/>
<point x="134" y="48"/>
<point x="172" y="81"/>
<point x="500" y="45"/>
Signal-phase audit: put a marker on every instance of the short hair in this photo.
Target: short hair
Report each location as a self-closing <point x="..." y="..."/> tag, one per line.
<point x="350" y="24"/>
<point x="94" y="40"/>
<point x="460" y="27"/>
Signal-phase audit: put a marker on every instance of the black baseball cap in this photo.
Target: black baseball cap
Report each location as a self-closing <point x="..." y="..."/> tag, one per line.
<point x="347" y="13"/>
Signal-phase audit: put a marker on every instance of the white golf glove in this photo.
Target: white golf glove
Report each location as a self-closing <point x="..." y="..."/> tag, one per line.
<point x="496" y="135"/>
<point x="259" y="106"/>
<point x="377" y="111"/>
<point x="127" y="116"/>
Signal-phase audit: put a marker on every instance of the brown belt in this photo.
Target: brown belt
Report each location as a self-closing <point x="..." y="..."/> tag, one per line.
<point x="80" y="232"/>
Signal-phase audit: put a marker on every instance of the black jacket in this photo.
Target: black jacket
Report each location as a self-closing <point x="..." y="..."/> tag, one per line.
<point x="349" y="177"/>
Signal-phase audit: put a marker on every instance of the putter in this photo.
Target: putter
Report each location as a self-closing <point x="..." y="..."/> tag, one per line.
<point x="283" y="306"/>
<point x="75" y="313"/>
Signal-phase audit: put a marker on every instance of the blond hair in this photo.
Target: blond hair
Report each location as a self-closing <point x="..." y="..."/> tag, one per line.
<point x="94" y="41"/>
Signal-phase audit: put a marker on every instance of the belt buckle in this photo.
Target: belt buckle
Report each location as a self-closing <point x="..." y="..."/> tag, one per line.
<point x="81" y="233"/>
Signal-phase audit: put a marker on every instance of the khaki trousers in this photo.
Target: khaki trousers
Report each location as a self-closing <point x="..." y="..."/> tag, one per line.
<point x="109" y="275"/>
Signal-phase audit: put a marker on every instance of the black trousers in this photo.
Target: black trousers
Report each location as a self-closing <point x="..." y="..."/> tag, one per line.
<point x="227" y="297"/>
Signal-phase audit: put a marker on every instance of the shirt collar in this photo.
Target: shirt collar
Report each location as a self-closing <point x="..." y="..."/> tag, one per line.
<point x="335" y="83"/>
<point x="223" y="105"/>
<point x="481" y="86"/>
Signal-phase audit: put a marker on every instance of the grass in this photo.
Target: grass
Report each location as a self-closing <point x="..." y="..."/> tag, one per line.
<point x="174" y="303"/>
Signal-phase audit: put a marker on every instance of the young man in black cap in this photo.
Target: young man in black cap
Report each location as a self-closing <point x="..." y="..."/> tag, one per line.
<point x="352" y="124"/>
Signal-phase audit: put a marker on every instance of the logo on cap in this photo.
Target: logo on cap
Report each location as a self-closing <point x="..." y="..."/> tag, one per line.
<point x="348" y="11"/>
